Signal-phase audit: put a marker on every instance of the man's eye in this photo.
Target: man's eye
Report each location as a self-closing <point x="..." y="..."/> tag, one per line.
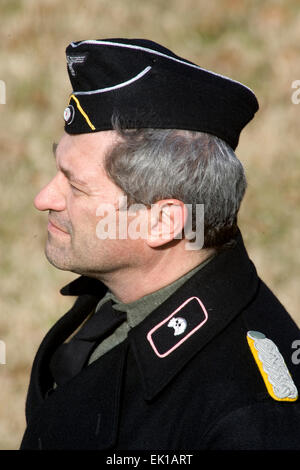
<point x="74" y="188"/>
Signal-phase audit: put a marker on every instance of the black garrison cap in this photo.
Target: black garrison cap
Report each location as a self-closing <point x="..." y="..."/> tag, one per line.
<point x="148" y="86"/>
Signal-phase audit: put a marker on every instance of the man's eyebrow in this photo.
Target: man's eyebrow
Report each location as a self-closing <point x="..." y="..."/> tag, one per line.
<point x="68" y="173"/>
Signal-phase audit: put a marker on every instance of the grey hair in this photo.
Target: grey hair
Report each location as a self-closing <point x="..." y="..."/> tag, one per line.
<point x="194" y="167"/>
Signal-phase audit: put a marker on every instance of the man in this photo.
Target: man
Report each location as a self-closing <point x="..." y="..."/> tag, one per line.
<point x="173" y="343"/>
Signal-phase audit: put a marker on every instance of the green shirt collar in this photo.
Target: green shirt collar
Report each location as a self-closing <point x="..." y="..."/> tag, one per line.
<point x="140" y="308"/>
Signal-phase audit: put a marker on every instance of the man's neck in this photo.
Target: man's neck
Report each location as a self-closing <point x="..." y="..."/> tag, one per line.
<point x="133" y="284"/>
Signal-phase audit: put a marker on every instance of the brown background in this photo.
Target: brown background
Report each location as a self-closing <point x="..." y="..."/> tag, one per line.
<point x="256" y="42"/>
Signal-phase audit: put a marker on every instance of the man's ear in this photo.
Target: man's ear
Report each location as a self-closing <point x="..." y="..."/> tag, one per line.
<point x="167" y="220"/>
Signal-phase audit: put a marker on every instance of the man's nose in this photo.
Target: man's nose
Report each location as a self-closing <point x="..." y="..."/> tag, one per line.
<point x="51" y="197"/>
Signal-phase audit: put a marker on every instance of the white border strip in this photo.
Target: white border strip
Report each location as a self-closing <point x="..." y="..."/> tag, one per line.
<point x="115" y="87"/>
<point x="152" y="51"/>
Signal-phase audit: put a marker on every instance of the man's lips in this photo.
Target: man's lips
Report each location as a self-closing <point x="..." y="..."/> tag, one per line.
<point x="54" y="227"/>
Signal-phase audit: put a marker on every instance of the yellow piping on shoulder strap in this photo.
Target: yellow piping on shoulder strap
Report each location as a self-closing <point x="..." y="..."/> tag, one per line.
<point x="272" y="367"/>
<point x="82" y="111"/>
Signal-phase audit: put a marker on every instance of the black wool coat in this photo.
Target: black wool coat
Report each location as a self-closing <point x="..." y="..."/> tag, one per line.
<point x="198" y="389"/>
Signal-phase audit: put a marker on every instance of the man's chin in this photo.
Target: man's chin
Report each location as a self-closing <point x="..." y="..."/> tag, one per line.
<point x="62" y="262"/>
<point x="57" y="262"/>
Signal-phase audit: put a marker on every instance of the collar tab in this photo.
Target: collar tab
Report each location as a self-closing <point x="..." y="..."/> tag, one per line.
<point x="177" y="327"/>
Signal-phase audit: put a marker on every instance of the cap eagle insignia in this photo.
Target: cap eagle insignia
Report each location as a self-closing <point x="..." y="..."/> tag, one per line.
<point x="75" y="60"/>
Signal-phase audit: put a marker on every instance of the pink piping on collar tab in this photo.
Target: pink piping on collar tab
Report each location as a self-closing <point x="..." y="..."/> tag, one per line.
<point x="149" y="335"/>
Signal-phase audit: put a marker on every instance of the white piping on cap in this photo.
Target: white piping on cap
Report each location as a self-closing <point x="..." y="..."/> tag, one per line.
<point x="152" y="51"/>
<point x="115" y="87"/>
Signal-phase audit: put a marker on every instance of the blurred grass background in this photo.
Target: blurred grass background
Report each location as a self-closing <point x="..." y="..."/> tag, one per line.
<point x="256" y="42"/>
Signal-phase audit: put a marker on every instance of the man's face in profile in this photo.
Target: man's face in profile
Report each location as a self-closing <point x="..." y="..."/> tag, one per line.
<point x="72" y="198"/>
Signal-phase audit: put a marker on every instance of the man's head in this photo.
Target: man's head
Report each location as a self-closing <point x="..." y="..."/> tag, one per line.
<point x="164" y="137"/>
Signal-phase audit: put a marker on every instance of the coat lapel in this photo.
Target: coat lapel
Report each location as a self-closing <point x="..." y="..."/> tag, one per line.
<point x="82" y="414"/>
<point x="41" y="380"/>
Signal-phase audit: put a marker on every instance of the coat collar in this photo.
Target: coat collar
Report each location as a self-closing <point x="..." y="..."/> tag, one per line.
<point x="84" y="285"/>
<point x="207" y="302"/>
<point x="205" y="305"/>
